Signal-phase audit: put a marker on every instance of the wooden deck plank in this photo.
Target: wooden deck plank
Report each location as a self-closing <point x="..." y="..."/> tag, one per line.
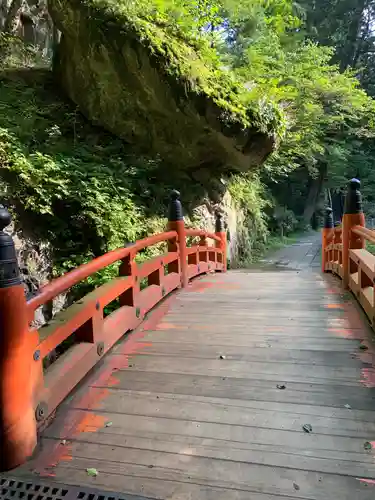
<point x="140" y="466"/>
<point x="252" y="354"/>
<point x="343" y="463"/>
<point x="236" y="444"/>
<point x="313" y="394"/>
<point x="130" y="403"/>
<point x="165" y="417"/>
<point x="236" y="368"/>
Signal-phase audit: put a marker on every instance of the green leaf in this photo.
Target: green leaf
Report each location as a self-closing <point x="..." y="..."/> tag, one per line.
<point x="92" y="472"/>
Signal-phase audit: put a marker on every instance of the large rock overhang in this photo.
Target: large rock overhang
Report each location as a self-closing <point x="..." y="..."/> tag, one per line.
<point x="152" y="89"/>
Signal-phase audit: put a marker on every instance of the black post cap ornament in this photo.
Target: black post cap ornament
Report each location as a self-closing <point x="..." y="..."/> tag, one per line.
<point x="219" y="222"/>
<point x="9" y="270"/>
<point x="328" y="218"/>
<point x="353" y="200"/>
<point x="175" y="207"/>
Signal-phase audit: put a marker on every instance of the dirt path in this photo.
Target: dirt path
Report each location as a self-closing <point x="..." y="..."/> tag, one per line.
<point x="303" y="255"/>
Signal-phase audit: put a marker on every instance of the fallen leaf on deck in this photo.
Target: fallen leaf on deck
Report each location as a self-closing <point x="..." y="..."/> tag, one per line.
<point x="109" y="424"/>
<point x="281" y="386"/>
<point x="92" y="472"/>
<point x="307" y="428"/>
<point x="296" y="487"/>
<point x="367" y="445"/>
<point x="363" y="347"/>
<point x="222" y="357"/>
<point x="348" y="407"/>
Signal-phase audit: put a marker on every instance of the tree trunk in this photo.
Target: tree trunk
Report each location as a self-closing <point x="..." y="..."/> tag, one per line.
<point x="11" y="15"/>
<point x="314" y="192"/>
<point x="353" y="37"/>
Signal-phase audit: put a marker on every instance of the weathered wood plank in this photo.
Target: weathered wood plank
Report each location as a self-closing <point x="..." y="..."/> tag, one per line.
<point x="126" y="444"/>
<point x="166" y="417"/>
<point x="169" y="468"/>
<point x="328" y="395"/>
<point x="256" y="370"/>
<point x="253" y="354"/>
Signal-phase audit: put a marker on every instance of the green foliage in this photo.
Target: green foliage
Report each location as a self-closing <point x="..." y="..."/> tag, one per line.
<point x="78" y="187"/>
<point x="329" y="119"/>
<point x="175" y="34"/>
<point x="15" y="53"/>
<point x="249" y="197"/>
<point x="348" y="26"/>
<point x="274" y="65"/>
<point x="370" y="247"/>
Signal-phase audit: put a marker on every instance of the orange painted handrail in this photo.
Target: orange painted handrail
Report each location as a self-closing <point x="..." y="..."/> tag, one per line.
<point x="330" y="236"/>
<point x="30" y="391"/>
<point x="204" y="234"/>
<point x="363" y="232"/>
<point x="63" y="283"/>
<point x="347" y="256"/>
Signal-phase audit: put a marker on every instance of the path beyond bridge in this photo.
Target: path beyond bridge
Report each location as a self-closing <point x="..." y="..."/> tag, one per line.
<point x="254" y="384"/>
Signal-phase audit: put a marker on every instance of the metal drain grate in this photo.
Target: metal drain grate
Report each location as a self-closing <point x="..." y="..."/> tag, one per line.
<point x="12" y="488"/>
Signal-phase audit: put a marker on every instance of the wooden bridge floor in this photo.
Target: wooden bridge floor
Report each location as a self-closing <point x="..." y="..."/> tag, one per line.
<point x="209" y="398"/>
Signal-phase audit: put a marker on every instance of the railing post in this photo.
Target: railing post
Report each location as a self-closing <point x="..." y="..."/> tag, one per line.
<point x="353" y="216"/>
<point x="220" y="231"/>
<point x="128" y="267"/>
<point x="176" y="223"/>
<point x="326" y="231"/>
<point x="17" y="420"/>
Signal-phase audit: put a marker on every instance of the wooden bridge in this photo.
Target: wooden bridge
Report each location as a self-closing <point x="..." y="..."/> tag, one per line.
<point x="202" y="384"/>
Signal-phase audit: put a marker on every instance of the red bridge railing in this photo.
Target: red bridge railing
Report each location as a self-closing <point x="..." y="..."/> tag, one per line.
<point x="344" y="251"/>
<point x="28" y="393"/>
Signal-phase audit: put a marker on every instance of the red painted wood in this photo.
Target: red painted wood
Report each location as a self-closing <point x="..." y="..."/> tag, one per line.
<point x="180" y="247"/>
<point x="17" y="431"/>
<point x="155" y="263"/>
<point x="364" y="232"/>
<point x="222" y="246"/>
<point x="60" y="285"/>
<point x="347" y="257"/>
<point x="350" y="240"/>
<point x="189" y="406"/>
<point x="204" y="234"/>
<point x="28" y="385"/>
<point x="327" y="235"/>
<point x="85" y="317"/>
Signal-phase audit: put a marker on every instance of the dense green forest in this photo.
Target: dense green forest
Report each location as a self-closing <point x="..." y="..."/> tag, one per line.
<point x="296" y="76"/>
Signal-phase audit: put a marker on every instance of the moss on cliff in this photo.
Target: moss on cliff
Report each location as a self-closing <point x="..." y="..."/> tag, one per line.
<point x="189" y="61"/>
<point x="72" y="184"/>
<point x="82" y="191"/>
<point x="158" y="88"/>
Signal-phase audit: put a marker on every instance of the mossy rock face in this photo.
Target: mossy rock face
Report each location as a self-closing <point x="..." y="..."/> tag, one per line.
<point x="150" y="87"/>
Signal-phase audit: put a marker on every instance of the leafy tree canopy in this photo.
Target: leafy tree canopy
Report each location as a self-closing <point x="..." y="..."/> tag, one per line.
<point x="311" y="60"/>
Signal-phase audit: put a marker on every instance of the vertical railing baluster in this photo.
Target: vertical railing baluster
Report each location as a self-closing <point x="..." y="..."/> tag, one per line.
<point x="326" y="232"/>
<point x="17" y="420"/>
<point x="202" y="254"/>
<point x="128" y="267"/>
<point x="353" y="216"/>
<point x="220" y="231"/>
<point x="176" y="223"/>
